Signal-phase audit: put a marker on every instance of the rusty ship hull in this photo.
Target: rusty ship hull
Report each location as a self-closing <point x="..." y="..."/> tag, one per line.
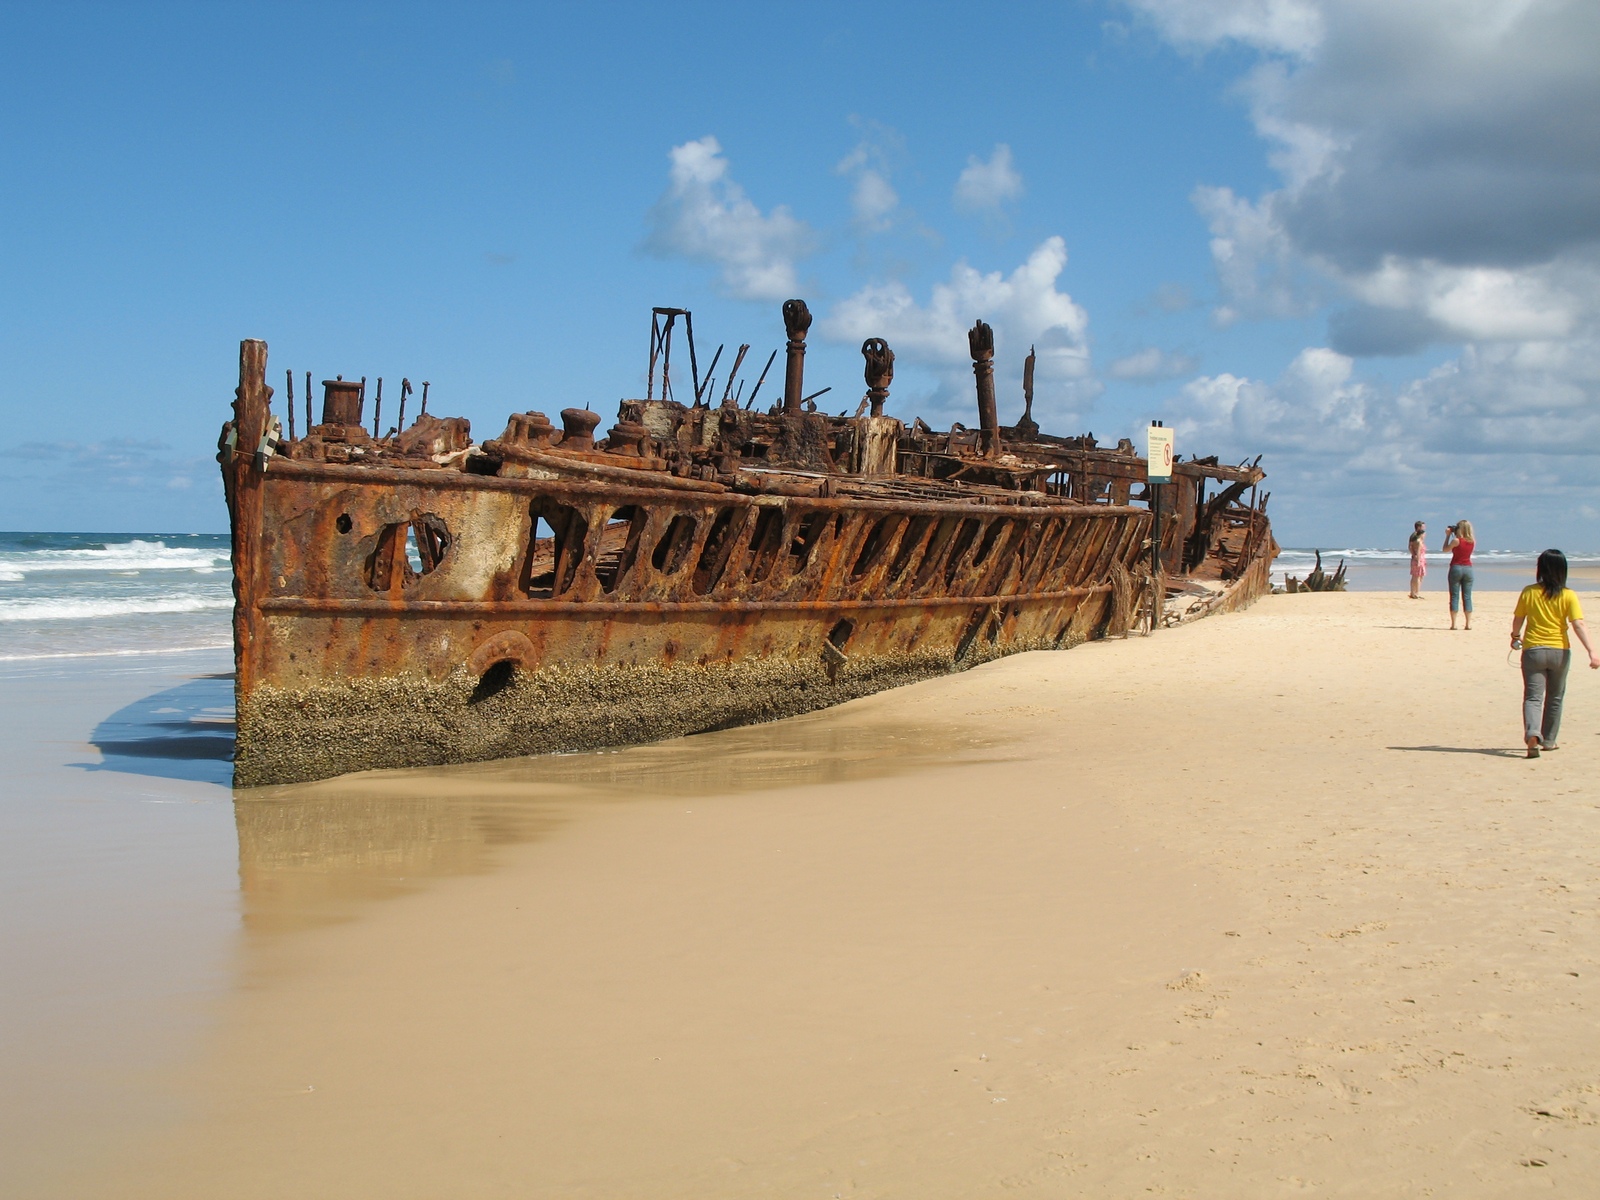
<point x="432" y="601"/>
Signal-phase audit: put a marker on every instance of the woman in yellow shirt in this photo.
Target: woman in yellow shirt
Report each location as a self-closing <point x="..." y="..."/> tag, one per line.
<point x="1547" y="608"/>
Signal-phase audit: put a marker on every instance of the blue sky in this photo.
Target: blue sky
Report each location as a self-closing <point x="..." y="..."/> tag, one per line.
<point x="1360" y="239"/>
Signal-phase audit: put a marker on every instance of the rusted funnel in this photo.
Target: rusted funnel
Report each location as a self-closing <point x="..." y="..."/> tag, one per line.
<point x="341" y="402"/>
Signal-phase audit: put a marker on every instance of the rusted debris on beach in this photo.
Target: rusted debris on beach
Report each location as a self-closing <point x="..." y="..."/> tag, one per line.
<point x="1317" y="580"/>
<point x="421" y="597"/>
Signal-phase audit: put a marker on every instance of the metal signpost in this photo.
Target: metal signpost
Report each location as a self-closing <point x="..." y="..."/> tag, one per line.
<point x="1158" y="470"/>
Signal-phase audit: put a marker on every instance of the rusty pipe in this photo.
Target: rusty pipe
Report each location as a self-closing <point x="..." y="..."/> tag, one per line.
<point x="980" y="340"/>
<point x="796" y="320"/>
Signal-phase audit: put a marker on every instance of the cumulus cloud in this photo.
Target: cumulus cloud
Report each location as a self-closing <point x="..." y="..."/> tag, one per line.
<point x="1151" y="365"/>
<point x="985" y="187"/>
<point x="1316" y="404"/>
<point x="1254" y="259"/>
<point x="873" y="199"/>
<point x="1287" y="26"/>
<point x="1462" y="132"/>
<point x="1025" y="305"/>
<point x="1026" y="308"/>
<point x="1504" y="429"/>
<point x="1439" y="184"/>
<point x="705" y="216"/>
<point x="1434" y="158"/>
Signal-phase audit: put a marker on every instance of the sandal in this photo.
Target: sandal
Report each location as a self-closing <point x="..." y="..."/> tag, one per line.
<point x="1533" y="747"/>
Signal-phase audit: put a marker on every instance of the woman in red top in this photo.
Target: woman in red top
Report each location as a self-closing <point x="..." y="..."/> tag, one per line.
<point x="1460" y="542"/>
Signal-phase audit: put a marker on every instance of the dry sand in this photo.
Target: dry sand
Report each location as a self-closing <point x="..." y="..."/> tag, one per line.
<point x="1266" y="905"/>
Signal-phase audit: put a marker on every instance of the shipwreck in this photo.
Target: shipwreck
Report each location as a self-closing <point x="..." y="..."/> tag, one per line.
<point x="413" y="597"/>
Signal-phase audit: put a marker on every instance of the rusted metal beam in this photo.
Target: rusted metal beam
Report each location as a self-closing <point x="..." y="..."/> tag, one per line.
<point x="420" y="609"/>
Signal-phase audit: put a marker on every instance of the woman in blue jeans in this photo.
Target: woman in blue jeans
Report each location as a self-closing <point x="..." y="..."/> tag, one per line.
<point x="1459" y="541"/>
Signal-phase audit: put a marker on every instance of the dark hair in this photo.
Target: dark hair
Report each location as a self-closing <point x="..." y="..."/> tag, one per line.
<point x="1552" y="573"/>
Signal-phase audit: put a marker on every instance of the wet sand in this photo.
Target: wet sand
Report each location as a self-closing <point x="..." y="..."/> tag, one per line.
<point x="1267" y="904"/>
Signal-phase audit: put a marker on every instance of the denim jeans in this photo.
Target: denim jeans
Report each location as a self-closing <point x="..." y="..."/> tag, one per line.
<point x="1460" y="589"/>
<point x="1544" y="682"/>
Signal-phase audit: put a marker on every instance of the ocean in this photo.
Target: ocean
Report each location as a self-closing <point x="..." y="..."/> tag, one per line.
<point x="92" y="595"/>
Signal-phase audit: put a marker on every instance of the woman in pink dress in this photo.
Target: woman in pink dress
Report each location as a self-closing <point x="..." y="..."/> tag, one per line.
<point x="1419" y="559"/>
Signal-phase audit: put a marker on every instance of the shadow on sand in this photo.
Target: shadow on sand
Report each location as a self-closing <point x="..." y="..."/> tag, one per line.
<point x="1492" y="752"/>
<point x="184" y="732"/>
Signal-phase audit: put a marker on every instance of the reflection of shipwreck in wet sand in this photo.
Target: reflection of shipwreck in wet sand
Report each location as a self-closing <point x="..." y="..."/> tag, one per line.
<point x="418" y="598"/>
<point x="311" y="854"/>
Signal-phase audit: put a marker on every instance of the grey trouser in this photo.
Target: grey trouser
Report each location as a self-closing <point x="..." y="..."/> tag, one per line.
<point x="1460" y="589"/>
<point x="1544" y="682"/>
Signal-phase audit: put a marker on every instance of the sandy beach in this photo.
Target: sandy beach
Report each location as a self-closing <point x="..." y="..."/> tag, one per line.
<point x="1266" y="905"/>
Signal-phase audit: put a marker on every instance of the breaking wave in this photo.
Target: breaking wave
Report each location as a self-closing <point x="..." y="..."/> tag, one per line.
<point x="107" y="596"/>
<point x="1402" y="555"/>
<point x="186" y="649"/>
<point x="114" y="557"/>
<point x="65" y="609"/>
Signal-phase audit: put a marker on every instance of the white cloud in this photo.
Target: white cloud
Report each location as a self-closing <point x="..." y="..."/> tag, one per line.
<point x="1315" y="405"/>
<point x="1151" y="364"/>
<point x="705" y="216"/>
<point x="1286" y="26"/>
<point x="1026" y="308"/>
<point x="1253" y="258"/>
<point x="986" y="186"/>
<point x="1439" y="183"/>
<point x="1431" y="155"/>
<point x="1507" y="432"/>
<point x="873" y="199"/>
<point x="1471" y="303"/>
